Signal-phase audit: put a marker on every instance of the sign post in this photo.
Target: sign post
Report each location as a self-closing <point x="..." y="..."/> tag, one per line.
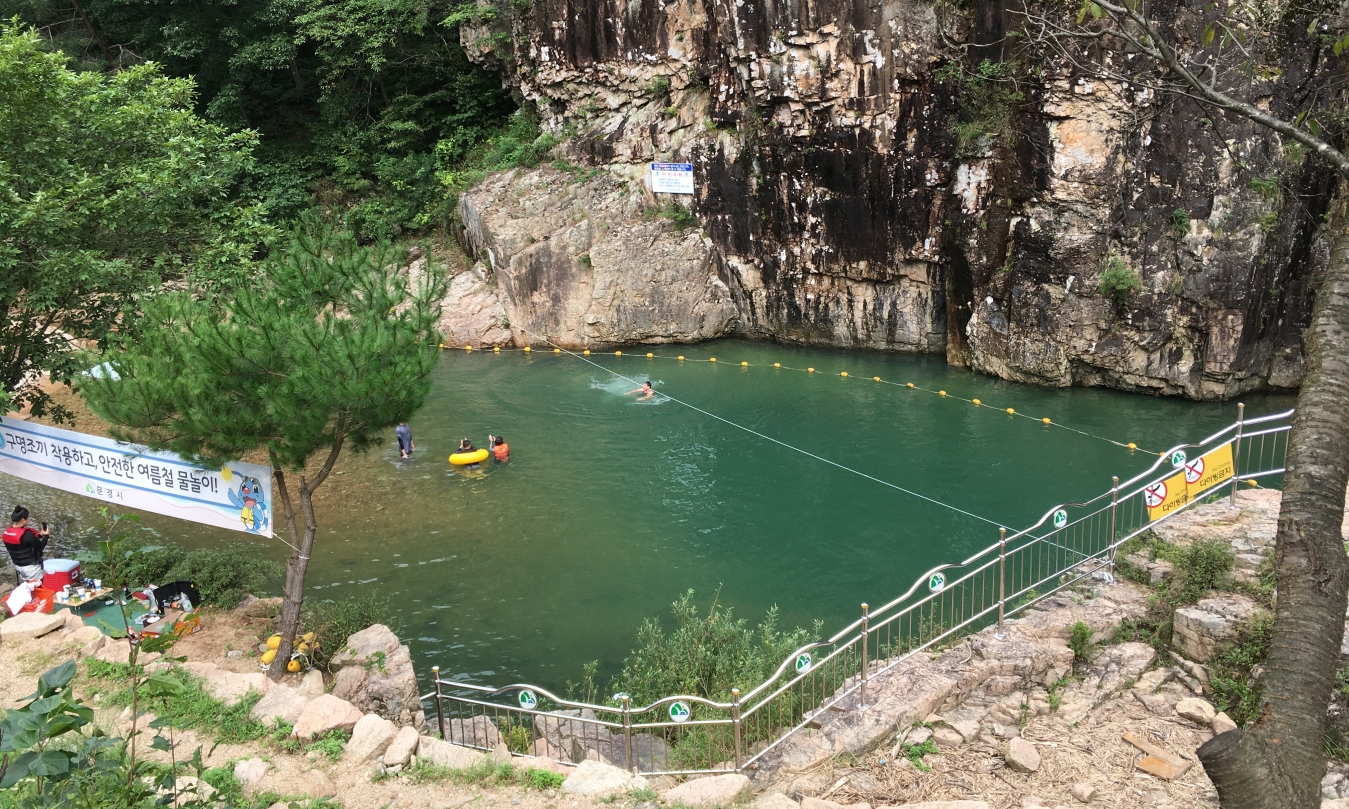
<point x="672" y="178"/>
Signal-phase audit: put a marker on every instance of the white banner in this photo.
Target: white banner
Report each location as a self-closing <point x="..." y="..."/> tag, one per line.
<point x="672" y="178"/>
<point x="238" y="496"/>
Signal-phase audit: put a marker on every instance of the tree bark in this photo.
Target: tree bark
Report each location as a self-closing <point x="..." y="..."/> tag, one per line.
<point x="1279" y="760"/>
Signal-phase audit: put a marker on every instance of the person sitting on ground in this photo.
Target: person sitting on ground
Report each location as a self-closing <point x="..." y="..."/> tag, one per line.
<point x="499" y="448"/>
<point x="25" y="545"/>
<point x="646" y="390"/>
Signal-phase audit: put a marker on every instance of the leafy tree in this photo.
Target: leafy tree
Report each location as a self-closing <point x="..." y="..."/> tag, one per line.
<point x="330" y="345"/>
<point x="108" y="185"/>
<point x="1223" y="58"/>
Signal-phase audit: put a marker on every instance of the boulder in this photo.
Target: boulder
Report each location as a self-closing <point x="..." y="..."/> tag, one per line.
<point x="311" y="684"/>
<point x="775" y="800"/>
<point x="261" y="607"/>
<point x="387" y="685"/>
<point x="89" y="638"/>
<point x="72" y="621"/>
<point x="947" y="738"/>
<point x="472" y="314"/>
<point x="1021" y="756"/>
<point x="476" y="732"/>
<point x="716" y="790"/>
<point x="552" y="765"/>
<point x="808" y="802"/>
<point x="500" y="755"/>
<point x="596" y="778"/>
<point x="443" y="754"/>
<point x="1222" y="723"/>
<point x="315" y="784"/>
<point x="1083" y="792"/>
<point x="280" y="702"/>
<point x="968" y="729"/>
<point x="229" y="686"/>
<point x="401" y="748"/>
<point x="1196" y="710"/>
<point x="369" y="738"/>
<point x="576" y="734"/>
<point x="1202" y="630"/>
<point x="28" y="625"/>
<point x="119" y="651"/>
<point x="250" y="772"/>
<point x="324" y="714"/>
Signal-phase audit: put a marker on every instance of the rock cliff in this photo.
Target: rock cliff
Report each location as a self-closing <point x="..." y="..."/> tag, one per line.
<point x="891" y="174"/>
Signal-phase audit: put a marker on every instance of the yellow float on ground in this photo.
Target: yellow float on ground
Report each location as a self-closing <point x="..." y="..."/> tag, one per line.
<point x="466" y="458"/>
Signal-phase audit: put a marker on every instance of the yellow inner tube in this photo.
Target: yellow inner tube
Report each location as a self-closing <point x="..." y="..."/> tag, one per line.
<point x="466" y="458"/>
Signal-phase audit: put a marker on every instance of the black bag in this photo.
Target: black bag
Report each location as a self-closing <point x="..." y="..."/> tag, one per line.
<point x="175" y="590"/>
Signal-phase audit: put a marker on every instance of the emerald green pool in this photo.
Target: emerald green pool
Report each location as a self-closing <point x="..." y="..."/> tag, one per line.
<point x="610" y="508"/>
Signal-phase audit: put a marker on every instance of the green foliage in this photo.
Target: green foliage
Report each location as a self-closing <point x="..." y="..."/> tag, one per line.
<point x="1236" y="689"/>
<point x="681" y="218"/>
<point x="915" y="753"/>
<point x="1080" y="642"/>
<point x="987" y="95"/>
<point x="1269" y="189"/>
<point x="222" y="574"/>
<point x="186" y="704"/>
<point x="1180" y="222"/>
<point x="1201" y="566"/>
<point x="1117" y="279"/>
<point x="334" y="620"/>
<point x="462" y="162"/>
<point x="658" y="87"/>
<point x="110" y="184"/>
<point x="486" y="773"/>
<point x="705" y="655"/>
<point x="329" y="744"/>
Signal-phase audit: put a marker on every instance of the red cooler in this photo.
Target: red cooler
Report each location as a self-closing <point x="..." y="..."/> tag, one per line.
<point x="57" y="573"/>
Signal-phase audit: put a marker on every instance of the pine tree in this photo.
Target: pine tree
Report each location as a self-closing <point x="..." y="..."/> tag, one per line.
<point x="330" y="345"/>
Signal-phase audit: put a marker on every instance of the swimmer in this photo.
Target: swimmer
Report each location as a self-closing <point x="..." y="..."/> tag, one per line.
<point x="646" y="390"/>
<point x="499" y="448"/>
<point x="467" y="446"/>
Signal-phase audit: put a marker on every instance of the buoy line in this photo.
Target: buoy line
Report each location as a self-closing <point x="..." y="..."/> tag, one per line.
<point x="777" y="366"/>
<point x="753" y="432"/>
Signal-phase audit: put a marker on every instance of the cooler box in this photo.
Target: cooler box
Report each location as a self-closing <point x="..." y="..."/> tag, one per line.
<point x="57" y="573"/>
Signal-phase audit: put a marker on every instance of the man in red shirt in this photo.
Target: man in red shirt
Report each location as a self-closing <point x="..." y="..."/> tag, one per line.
<point x="25" y="545"/>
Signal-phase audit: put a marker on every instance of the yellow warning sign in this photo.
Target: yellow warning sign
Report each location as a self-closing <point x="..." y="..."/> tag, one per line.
<point x="1165" y="496"/>
<point x="1209" y="470"/>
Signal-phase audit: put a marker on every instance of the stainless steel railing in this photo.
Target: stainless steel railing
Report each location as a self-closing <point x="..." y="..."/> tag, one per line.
<point x="686" y="734"/>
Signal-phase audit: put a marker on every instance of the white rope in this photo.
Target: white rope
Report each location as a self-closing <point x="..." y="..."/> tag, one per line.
<point x="768" y="437"/>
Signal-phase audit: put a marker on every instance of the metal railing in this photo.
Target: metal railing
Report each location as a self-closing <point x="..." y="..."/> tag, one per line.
<point x="684" y="734"/>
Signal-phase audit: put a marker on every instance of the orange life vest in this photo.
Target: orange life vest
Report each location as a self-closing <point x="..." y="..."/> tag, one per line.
<point x="502" y="451"/>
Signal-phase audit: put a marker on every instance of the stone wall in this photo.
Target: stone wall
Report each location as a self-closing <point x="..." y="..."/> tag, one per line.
<point x="843" y="207"/>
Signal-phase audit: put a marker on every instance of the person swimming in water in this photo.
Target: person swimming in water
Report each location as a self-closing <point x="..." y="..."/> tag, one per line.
<point x="467" y="446"/>
<point x="646" y="390"/>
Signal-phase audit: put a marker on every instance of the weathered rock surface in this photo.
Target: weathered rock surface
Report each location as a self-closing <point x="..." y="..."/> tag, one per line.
<point x="1021" y="756"/>
<point x="369" y="738"/>
<point x="402" y="748"/>
<point x="1222" y="723"/>
<point x="28" y="625"/>
<point x="311" y="684"/>
<point x="326" y="713"/>
<point x="478" y="731"/>
<point x="89" y="638"/>
<point x="596" y="778"/>
<point x="472" y="313"/>
<point x="280" y="702"/>
<point x="1249" y="529"/>
<point x="443" y="754"/>
<point x="1196" y="710"/>
<point x="1203" y="630"/>
<point x="1085" y="793"/>
<point x="250" y="773"/>
<point x="584" y="264"/>
<point x="774" y="800"/>
<point x="717" y="790"/>
<point x="374" y="672"/>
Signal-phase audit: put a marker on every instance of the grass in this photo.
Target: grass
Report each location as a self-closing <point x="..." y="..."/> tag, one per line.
<point x="681" y="218"/>
<point x="1235" y="690"/>
<point x="915" y="752"/>
<point x="1080" y="643"/>
<point x="1056" y="692"/>
<point x="486" y="773"/>
<point x="329" y="744"/>
<point x="189" y="707"/>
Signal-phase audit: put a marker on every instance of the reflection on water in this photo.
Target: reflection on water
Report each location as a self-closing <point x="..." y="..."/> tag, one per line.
<point x="610" y="507"/>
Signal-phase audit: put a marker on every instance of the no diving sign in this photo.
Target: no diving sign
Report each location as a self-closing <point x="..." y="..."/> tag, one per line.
<point x="672" y="178"/>
<point x="1196" y="476"/>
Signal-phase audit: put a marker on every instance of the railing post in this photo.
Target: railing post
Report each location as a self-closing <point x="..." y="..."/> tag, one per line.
<point x="440" y="711"/>
<point x="1236" y="452"/>
<point x="862" y="698"/>
<point x="735" y="721"/>
<point x="1002" y="583"/>
<point x="627" y="732"/>
<point x="1114" y="528"/>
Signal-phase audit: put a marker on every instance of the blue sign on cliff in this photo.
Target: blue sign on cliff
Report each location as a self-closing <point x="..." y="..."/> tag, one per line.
<point x="672" y="178"/>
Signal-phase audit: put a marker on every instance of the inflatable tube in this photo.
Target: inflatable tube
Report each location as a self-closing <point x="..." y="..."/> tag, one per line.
<point x="466" y="458"/>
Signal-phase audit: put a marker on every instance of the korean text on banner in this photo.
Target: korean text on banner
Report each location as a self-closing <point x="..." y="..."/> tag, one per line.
<point x="238" y="496"/>
<point x="1212" y="468"/>
<point x="672" y="178"/>
<point x="1166" y="496"/>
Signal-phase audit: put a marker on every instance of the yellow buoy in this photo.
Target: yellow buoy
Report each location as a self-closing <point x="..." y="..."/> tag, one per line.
<point x="307" y="637"/>
<point x="268" y="656"/>
<point x="744" y="365"/>
<point x="468" y="348"/>
<point x="527" y="349"/>
<point x="941" y="393"/>
<point x="555" y="351"/>
<point x="875" y="379"/>
<point x="302" y="648"/>
<point x="496" y="349"/>
<point x="1161" y="455"/>
<point x="442" y="345"/>
<point x="649" y="355"/>
<point x="1132" y="445"/>
<point x="845" y="373"/>
<point x="810" y="370"/>
<point x="1045" y="420"/>
<point x="711" y="359"/>
<point x="909" y="384"/>
<point x="293" y="665"/>
<point x="586" y="352"/>
<point x="1011" y="412"/>
<point x="1252" y="483"/>
<point x="681" y="357"/>
<point x="777" y="365"/>
<point x="618" y="353"/>
<point x="274" y="642"/>
<point x="975" y="401"/>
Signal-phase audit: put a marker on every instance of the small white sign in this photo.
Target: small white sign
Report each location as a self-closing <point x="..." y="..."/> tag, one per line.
<point x="672" y="178"/>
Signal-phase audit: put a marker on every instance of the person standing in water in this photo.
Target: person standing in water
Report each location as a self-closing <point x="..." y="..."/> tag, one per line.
<point x="404" y="433"/>
<point x="499" y="448"/>
<point x="646" y="390"/>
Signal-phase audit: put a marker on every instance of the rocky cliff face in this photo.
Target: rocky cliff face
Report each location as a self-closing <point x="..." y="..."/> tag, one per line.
<point x="886" y="174"/>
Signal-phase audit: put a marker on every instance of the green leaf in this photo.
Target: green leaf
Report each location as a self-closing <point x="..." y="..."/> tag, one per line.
<point x="18" y="770"/>
<point x="50" y="762"/>
<point x="1341" y="45"/>
<point x="1314" y="126"/>
<point x="1208" y="33"/>
<point x="58" y="677"/>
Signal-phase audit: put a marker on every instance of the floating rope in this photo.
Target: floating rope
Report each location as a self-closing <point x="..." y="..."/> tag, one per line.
<point x="1046" y="421"/>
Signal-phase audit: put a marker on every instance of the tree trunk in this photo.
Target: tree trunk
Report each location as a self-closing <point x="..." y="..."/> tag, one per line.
<point x="1278" y="761"/>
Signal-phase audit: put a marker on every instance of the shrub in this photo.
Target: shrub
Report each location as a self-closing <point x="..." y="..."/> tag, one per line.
<point x="681" y="218"/>
<point x="1117" y="279"/>
<point x="334" y="620"/>
<point x="223" y="575"/>
<point x="1199" y="567"/>
<point x="1236" y="690"/>
<point x="1080" y="643"/>
<point x="988" y="95"/>
<point x="329" y="744"/>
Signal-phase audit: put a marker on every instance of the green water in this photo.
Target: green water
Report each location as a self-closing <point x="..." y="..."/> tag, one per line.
<point x="610" y="508"/>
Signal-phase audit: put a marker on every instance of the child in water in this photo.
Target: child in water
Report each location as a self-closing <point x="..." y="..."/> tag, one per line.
<point x="499" y="448"/>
